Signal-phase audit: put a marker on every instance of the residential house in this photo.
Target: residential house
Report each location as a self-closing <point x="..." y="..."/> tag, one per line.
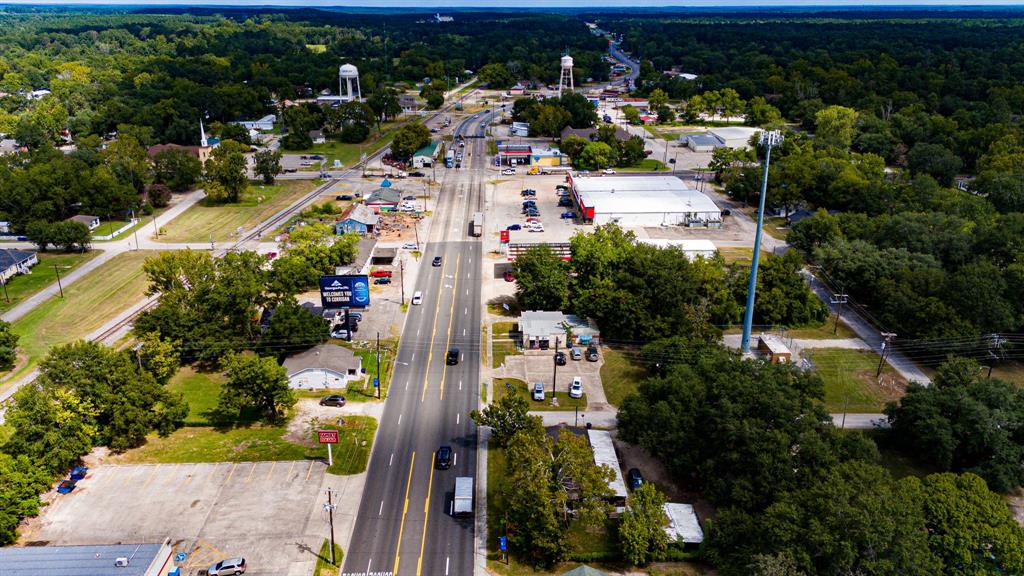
<point x="383" y="199"/>
<point x="408" y="103"/>
<point x="14" y="262"/>
<point x="317" y="137"/>
<point x="323" y="366"/>
<point x="93" y="222"/>
<point x="359" y="218"/>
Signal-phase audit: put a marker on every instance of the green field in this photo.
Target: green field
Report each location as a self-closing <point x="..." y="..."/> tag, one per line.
<point x="505" y="386"/>
<point x="850" y="382"/>
<point x="43" y="274"/>
<point x="143" y="221"/>
<point x="645" y="165"/>
<point x="502" y="342"/>
<point x="89" y="303"/>
<point x="620" y="374"/>
<point x="349" y="154"/>
<point x="201" y="390"/>
<point x="201" y="221"/>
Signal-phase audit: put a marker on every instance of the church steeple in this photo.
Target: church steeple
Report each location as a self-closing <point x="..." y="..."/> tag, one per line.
<point x="202" y="135"/>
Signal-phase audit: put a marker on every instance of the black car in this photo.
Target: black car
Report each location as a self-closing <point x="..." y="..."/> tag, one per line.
<point x="591" y="354"/>
<point x="437" y="261"/>
<point x="453" y="357"/>
<point x="566" y="202"/>
<point x="417" y="174"/>
<point x="560" y="358"/>
<point x="444" y="457"/>
<point x="634" y="478"/>
<point x="382" y="280"/>
<point x="335" y="400"/>
<point x="343" y="197"/>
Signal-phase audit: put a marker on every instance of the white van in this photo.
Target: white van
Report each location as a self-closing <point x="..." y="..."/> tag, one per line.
<point x="417" y="298"/>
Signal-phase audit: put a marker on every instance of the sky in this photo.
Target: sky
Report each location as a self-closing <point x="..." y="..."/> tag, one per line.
<point x="589" y="4"/>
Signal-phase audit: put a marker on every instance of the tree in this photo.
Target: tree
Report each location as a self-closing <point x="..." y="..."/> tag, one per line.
<point x="657" y="98"/>
<point x="549" y="120"/>
<point x="177" y="168"/>
<point x="292" y="329"/>
<point x="225" y="172"/>
<point x="159" y="195"/>
<point x="542" y="282"/>
<point x="8" y="346"/>
<point x="128" y="161"/>
<point x="505" y="417"/>
<point x="384" y="104"/>
<point x="782" y="296"/>
<point x="834" y="126"/>
<point x="642" y="534"/>
<point x="236" y="132"/>
<point x="633" y="152"/>
<point x="935" y="160"/>
<point x="496" y="75"/>
<point x="53" y="428"/>
<point x="631" y="114"/>
<point x="963" y="422"/>
<point x="573" y="145"/>
<point x="69" y="236"/>
<point x="409" y="139"/>
<point x="595" y="156"/>
<point x="268" y="164"/>
<point x="29" y="134"/>
<point x="299" y="122"/>
<point x="257" y="383"/>
<point x="761" y="113"/>
<point x="21" y="481"/>
<point x="582" y="113"/>
<point x="161" y="359"/>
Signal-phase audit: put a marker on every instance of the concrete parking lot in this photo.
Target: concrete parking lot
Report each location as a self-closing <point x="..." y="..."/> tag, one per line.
<point x="268" y="512"/>
<point x="508" y="205"/>
<point x="537" y="366"/>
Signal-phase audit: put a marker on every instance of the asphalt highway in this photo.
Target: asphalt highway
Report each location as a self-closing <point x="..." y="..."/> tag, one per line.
<point x="404" y="525"/>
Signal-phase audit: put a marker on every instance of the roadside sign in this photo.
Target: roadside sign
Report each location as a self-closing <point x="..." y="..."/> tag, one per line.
<point x="504" y="236"/>
<point x="376" y="382"/>
<point x="327" y="436"/>
<point x="503" y="543"/>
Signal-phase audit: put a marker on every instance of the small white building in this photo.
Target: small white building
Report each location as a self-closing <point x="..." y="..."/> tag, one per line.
<point x="317" y="137"/>
<point x="323" y="366"/>
<point x="92" y="222"/>
<point x="734" y="136"/>
<point x="521" y="129"/>
<point x="643" y="201"/>
<point x="604" y="453"/>
<point x="541" y="328"/>
<point x="683" y="525"/>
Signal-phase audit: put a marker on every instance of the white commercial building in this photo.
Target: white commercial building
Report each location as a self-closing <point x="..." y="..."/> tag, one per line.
<point x="266" y="123"/>
<point x="734" y="136"/>
<point x="643" y="201"/>
<point x="323" y="366"/>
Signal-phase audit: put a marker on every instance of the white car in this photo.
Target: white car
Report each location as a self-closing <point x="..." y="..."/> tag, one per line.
<point x="417" y="298"/>
<point x="538" y="391"/>
<point x="608" y="171"/>
<point x="535" y="227"/>
<point x="339" y="333"/>
<point x="410" y="246"/>
<point x="576" y="388"/>
<point x="508" y="172"/>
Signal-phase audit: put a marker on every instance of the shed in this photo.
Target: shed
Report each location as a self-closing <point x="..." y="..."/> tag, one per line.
<point x="773" y="347"/>
<point x="359" y="218"/>
<point x="89" y="560"/>
<point x="93" y="222"/>
<point x="14" y="262"/>
<point x="323" y="366"/>
<point x="540" y="328"/>
<point x="604" y="453"/>
<point x="683" y="525"/>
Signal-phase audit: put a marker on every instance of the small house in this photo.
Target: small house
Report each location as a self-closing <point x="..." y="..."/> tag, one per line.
<point x="424" y="157"/>
<point x="683" y="525"/>
<point x="383" y="199"/>
<point x="317" y="137"/>
<point x="774" y="349"/>
<point x="604" y="454"/>
<point x="358" y="218"/>
<point x="323" y="366"/>
<point x="14" y="262"/>
<point x="92" y="222"/>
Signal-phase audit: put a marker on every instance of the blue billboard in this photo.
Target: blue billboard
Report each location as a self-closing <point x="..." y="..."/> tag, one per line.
<point x="348" y="291"/>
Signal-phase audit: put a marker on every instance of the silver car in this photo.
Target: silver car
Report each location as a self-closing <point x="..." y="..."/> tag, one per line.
<point x="538" y="391"/>
<point x="229" y="566"/>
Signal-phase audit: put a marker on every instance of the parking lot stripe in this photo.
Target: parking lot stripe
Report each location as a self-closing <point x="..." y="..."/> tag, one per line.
<point x="251" y="470"/>
<point x="231" y="472"/>
<point x="151" y="475"/>
<point x="188" y="477"/>
<point x="310" y="471"/>
<point x="271" y="471"/>
<point x="290" y="468"/>
<point x="131" y="474"/>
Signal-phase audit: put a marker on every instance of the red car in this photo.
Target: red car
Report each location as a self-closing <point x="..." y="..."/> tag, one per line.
<point x="381" y="274"/>
<point x="509" y="277"/>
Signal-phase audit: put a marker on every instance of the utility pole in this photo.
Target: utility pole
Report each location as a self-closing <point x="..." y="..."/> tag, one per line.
<point x="135" y="231"/>
<point x="554" y="376"/>
<point x="840" y="300"/>
<point x="61" y="288"/>
<point x="401" y="277"/>
<point x="329" y="507"/>
<point x="769" y="139"/>
<point x="887" y="338"/>
<point x="378" y="366"/>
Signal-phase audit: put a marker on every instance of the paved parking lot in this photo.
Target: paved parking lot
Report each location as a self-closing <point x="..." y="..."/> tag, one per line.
<point x="268" y="512"/>
<point x="537" y="367"/>
<point x="508" y="205"/>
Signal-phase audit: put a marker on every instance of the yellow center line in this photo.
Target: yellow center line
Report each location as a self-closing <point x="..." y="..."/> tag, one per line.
<point x="451" y="312"/>
<point x="426" y="515"/>
<point x="405" y="511"/>
<point x="433" y="333"/>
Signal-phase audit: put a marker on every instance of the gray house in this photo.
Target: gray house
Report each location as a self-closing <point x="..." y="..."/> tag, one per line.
<point x="323" y="366"/>
<point x="14" y="262"/>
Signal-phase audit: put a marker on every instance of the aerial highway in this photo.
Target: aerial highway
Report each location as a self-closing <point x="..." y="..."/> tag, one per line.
<point x="404" y="525"/>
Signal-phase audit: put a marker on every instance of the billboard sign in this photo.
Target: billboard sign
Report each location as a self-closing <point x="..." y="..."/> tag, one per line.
<point x="327" y="436"/>
<point x="346" y="291"/>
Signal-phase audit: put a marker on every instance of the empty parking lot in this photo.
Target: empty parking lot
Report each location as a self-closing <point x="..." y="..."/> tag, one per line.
<point x="268" y="512"/>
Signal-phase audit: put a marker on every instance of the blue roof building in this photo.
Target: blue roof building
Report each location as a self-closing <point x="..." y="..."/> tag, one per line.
<point x="89" y="560"/>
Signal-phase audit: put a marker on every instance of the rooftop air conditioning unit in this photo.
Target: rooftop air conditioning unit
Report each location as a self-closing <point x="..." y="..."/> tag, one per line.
<point x="121" y="562"/>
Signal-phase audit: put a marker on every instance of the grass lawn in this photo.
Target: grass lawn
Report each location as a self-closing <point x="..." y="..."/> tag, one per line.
<point x="362" y="391"/>
<point x="505" y="386"/>
<point x="645" y="165"/>
<point x="733" y="254"/>
<point x="775" y="226"/>
<point x="1011" y="371"/>
<point x="850" y="381"/>
<point x="43" y="274"/>
<point x="352" y="452"/>
<point x="349" y="154"/>
<point x="323" y="560"/>
<point x="201" y="391"/>
<point x="221" y="221"/>
<point x="620" y="374"/>
<point x="143" y="221"/>
<point x="502" y="343"/>
<point x="87" y="304"/>
<point x="824" y="331"/>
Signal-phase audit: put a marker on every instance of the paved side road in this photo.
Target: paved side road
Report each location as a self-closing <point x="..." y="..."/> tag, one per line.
<point x="608" y="419"/>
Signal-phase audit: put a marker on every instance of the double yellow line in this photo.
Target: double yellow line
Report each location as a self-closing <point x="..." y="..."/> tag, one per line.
<point x="433" y="329"/>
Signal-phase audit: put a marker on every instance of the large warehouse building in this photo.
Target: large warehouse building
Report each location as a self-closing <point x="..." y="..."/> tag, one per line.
<point x="643" y="201"/>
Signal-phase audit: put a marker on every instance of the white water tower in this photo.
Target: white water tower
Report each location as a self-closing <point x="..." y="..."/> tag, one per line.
<point x="565" y="80"/>
<point x="346" y="74"/>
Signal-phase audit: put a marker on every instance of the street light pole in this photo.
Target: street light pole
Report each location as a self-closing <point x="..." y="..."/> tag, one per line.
<point x="330" y="514"/>
<point x="769" y="139"/>
<point x="554" y="376"/>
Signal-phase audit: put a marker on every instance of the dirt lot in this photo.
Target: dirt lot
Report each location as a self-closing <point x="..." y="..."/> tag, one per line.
<point x="268" y="512"/>
<point x="654" y="471"/>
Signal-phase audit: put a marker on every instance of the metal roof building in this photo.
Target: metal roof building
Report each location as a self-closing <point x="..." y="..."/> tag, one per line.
<point x="90" y="560"/>
<point x="604" y="453"/>
<point x="643" y="201"/>
<point x="683" y="525"/>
